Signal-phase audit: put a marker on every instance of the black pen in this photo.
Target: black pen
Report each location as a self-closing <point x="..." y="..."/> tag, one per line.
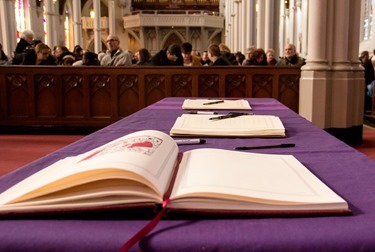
<point x="222" y="117"/>
<point x="265" y="146"/>
<point x="190" y="141"/>
<point x="214" y="102"/>
<point x="202" y="113"/>
<point x="229" y="115"/>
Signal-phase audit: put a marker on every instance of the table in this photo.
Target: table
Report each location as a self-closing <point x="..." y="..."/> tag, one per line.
<point x="348" y="172"/>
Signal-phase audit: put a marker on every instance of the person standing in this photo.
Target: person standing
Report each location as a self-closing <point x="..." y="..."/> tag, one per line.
<point x="115" y="55"/>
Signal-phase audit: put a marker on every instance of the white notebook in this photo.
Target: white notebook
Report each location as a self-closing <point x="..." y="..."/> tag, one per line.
<point x="246" y="125"/>
<point x="216" y="104"/>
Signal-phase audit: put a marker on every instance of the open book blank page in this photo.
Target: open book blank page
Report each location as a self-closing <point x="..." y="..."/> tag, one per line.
<point x="279" y="180"/>
<point x="227" y="104"/>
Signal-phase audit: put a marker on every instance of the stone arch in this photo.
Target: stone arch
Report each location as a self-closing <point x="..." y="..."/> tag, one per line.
<point x="212" y="37"/>
<point x="172" y="37"/>
<point x="89" y="4"/>
<point x="91" y="46"/>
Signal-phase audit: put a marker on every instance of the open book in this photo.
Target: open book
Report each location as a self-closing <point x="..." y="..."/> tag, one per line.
<point x="202" y="104"/>
<point x="138" y="168"/>
<point x="246" y="126"/>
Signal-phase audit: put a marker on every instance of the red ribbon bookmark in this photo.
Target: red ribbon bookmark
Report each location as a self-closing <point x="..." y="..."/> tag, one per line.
<point x="146" y="229"/>
<point x="151" y="225"/>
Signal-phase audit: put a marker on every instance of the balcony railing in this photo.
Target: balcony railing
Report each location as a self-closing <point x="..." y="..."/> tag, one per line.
<point x="88" y="23"/>
<point x="188" y="18"/>
<point x="212" y="5"/>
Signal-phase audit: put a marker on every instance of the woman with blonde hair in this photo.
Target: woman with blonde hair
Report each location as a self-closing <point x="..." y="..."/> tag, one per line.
<point x="270" y="55"/>
<point x="40" y="55"/>
<point x="226" y="52"/>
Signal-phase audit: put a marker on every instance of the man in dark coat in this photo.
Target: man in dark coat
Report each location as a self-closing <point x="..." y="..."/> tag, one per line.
<point x="291" y="57"/>
<point x="217" y="59"/>
<point x="25" y="43"/>
<point x="171" y="56"/>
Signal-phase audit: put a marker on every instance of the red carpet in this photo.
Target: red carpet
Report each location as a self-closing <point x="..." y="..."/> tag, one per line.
<point x="18" y="150"/>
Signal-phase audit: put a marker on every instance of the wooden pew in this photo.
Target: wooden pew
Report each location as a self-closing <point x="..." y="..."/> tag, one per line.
<point x="62" y="96"/>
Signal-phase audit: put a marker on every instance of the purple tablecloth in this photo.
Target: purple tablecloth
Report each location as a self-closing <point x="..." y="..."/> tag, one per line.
<point x="347" y="171"/>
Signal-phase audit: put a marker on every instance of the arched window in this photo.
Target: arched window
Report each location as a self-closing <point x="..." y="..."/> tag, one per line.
<point x="20" y="17"/>
<point x="368" y="20"/>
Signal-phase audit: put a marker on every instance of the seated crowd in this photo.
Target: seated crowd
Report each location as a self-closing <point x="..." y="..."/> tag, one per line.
<point x="34" y="52"/>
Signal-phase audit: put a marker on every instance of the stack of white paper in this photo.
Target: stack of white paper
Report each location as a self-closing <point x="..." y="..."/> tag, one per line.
<point x="246" y="125"/>
<point x="216" y="104"/>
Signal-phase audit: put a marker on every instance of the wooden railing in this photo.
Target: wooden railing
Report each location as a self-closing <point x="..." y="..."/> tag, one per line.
<point x="99" y="96"/>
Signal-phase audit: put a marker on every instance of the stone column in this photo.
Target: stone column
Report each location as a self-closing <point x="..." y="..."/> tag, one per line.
<point x="292" y="22"/>
<point x="34" y="15"/>
<point x="97" y="28"/>
<point x="342" y="71"/>
<point x="243" y="26"/>
<point x="313" y="97"/>
<point x="282" y="31"/>
<point x="236" y="26"/>
<point x="8" y="26"/>
<point x="231" y="25"/>
<point x="358" y="74"/>
<point x="112" y="16"/>
<point x="304" y="26"/>
<point x="250" y="32"/>
<point x="77" y="24"/>
<point x="268" y="24"/>
<point x="50" y="23"/>
<point x="328" y="89"/>
<point x="260" y="24"/>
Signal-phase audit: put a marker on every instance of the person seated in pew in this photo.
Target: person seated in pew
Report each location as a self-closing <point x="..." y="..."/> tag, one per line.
<point x="291" y="57"/>
<point x="90" y="59"/>
<point x="170" y="56"/>
<point x="142" y="56"/>
<point x="40" y="55"/>
<point x="115" y="56"/>
<point x="189" y="59"/>
<point x="217" y="59"/>
<point x="205" y="60"/>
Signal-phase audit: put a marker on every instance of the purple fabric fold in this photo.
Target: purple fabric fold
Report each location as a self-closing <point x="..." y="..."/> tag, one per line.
<point x="347" y="171"/>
